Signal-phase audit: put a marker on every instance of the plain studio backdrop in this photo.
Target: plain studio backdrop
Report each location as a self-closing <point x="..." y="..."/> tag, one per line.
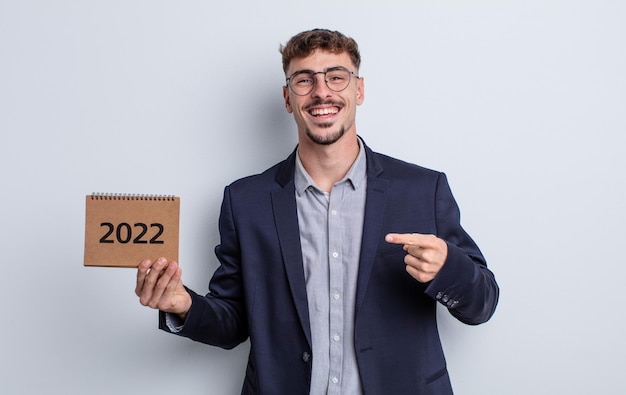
<point x="521" y="103"/>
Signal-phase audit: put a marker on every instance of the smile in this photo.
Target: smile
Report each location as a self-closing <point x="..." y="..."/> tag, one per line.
<point x="325" y="111"/>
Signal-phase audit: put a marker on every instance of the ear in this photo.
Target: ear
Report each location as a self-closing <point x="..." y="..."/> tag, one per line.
<point x="287" y="101"/>
<point x="360" y="91"/>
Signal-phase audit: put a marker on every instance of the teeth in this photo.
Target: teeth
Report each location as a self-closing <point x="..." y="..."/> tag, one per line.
<point x="324" y="111"/>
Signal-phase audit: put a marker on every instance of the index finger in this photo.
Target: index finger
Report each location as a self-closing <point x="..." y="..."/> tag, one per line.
<point x="416" y="239"/>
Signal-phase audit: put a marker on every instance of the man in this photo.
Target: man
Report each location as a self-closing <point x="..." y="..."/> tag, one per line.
<point x="333" y="260"/>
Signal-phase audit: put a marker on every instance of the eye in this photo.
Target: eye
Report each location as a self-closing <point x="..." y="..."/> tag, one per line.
<point x="337" y="77"/>
<point x="302" y="79"/>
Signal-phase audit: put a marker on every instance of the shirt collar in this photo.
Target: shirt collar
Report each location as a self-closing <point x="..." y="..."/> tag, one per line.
<point x="356" y="175"/>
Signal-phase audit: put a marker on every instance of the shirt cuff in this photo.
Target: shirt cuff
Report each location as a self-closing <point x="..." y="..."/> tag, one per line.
<point x="173" y="322"/>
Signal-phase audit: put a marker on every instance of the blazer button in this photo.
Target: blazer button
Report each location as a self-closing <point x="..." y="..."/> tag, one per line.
<point x="306" y="357"/>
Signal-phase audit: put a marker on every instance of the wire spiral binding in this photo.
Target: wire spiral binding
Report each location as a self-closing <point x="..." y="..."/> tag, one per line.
<point x="130" y="196"/>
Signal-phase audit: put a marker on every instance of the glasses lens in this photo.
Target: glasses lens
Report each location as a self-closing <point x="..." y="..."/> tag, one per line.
<point x="302" y="83"/>
<point x="337" y="80"/>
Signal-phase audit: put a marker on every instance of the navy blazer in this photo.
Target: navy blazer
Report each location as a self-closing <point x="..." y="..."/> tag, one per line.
<point x="259" y="290"/>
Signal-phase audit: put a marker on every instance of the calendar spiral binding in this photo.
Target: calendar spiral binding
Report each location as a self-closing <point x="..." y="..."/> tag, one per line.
<point x="131" y="196"/>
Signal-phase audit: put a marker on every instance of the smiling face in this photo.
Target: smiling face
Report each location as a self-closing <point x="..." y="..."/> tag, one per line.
<point x="324" y="116"/>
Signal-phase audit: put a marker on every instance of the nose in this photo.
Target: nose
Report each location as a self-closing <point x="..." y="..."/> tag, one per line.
<point x="320" y="89"/>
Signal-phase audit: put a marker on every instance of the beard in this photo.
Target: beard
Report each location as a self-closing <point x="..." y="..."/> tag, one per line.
<point x="332" y="137"/>
<point x="327" y="139"/>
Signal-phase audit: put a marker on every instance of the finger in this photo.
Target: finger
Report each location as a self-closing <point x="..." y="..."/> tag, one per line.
<point x="159" y="295"/>
<point x="419" y="275"/>
<point x="414" y="264"/>
<point x="142" y="271"/>
<point x="150" y="281"/>
<point x="175" y="279"/>
<point x="413" y="261"/>
<point x="420" y="255"/>
<point x="168" y="300"/>
<point x="417" y="239"/>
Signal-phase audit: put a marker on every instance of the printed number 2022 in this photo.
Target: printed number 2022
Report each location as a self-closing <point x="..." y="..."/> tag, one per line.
<point x="124" y="233"/>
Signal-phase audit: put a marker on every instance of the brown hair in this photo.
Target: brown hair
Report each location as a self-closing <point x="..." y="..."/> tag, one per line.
<point x="304" y="44"/>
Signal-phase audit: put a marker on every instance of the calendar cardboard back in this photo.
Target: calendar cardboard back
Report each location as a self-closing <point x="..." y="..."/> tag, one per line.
<point x="123" y="230"/>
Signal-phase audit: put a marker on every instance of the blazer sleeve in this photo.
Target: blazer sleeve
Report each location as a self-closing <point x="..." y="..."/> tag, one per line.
<point x="219" y="317"/>
<point x="464" y="284"/>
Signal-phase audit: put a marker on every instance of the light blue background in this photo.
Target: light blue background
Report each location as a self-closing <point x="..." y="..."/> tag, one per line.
<point x="521" y="103"/>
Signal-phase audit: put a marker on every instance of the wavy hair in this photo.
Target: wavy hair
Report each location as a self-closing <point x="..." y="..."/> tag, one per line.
<point x="304" y="44"/>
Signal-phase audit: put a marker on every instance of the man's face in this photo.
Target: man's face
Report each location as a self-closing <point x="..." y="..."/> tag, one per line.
<point x="324" y="116"/>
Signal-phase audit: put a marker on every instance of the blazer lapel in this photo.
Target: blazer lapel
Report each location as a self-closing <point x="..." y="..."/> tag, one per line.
<point x="372" y="224"/>
<point x="286" y="217"/>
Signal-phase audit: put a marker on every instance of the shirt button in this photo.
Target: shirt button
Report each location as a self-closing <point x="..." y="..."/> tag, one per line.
<point x="334" y="212"/>
<point x="336" y="338"/>
<point x="306" y="357"/>
<point x="335" y="255"/>
<point x="336" y="296"/>
<point x="335" y="380"/>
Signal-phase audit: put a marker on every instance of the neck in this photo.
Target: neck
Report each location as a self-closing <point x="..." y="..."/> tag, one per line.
<point x="328" y="164"/>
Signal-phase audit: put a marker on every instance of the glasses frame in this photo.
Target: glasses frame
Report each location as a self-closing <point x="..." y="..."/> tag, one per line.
<point x="314" y="73"/>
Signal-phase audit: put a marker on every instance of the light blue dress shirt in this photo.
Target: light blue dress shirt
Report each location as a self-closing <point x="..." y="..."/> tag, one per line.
<point x="331" y="226"/>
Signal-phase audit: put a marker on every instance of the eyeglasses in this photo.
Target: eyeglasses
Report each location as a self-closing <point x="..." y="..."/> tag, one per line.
<point x="337" y="79"/>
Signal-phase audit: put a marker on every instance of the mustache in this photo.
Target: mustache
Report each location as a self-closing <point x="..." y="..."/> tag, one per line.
<point x="319" y="102"/>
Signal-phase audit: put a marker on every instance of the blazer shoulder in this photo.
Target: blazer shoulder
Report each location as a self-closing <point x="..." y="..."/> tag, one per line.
<point x="266" y="180"/>
<point x="394" y="168"/>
